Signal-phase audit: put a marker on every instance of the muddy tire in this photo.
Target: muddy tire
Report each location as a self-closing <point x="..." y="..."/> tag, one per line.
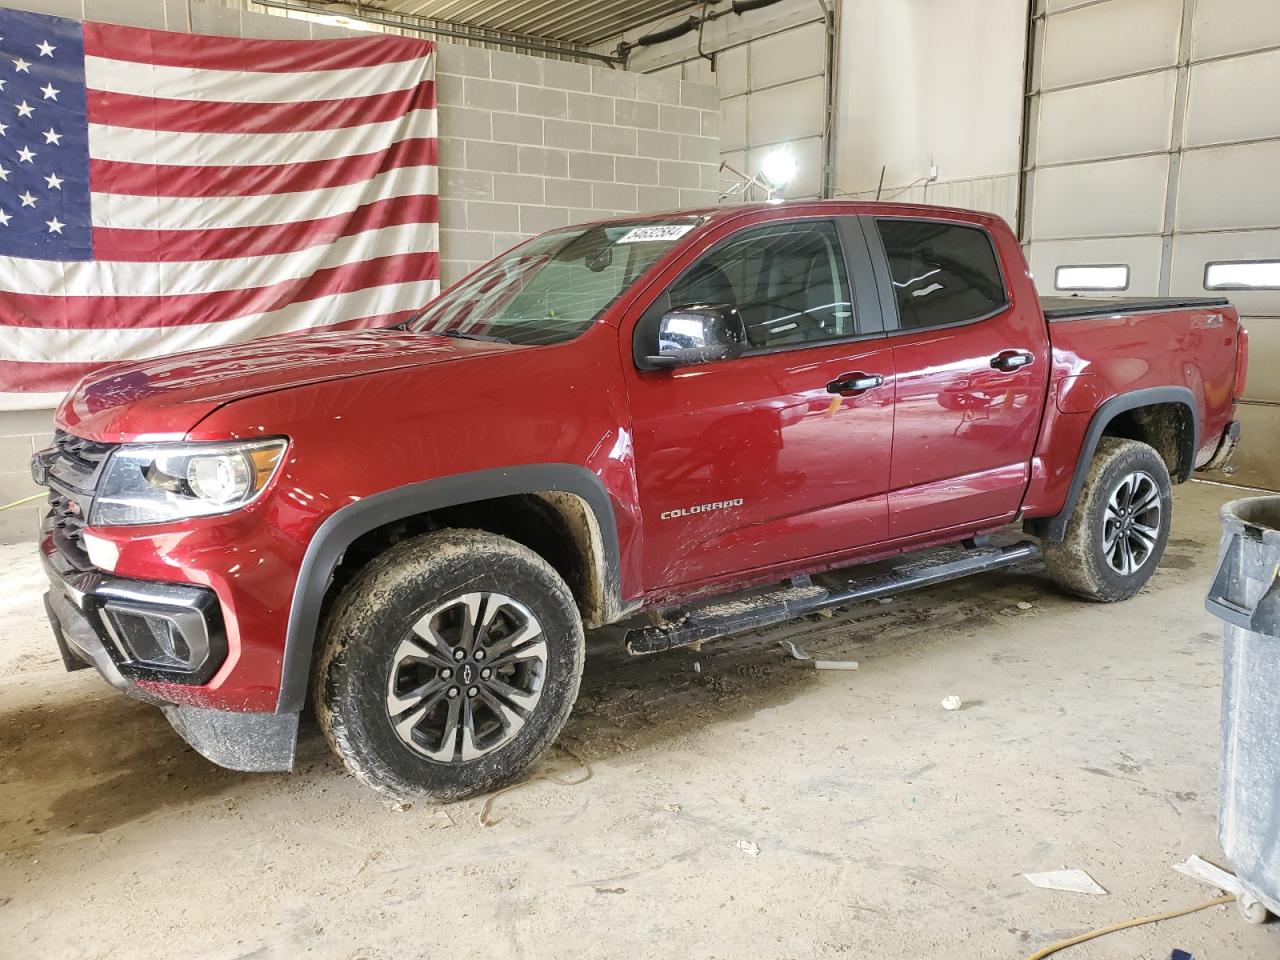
<point x="448" y="665"/>
<point x="1118" y="530"/>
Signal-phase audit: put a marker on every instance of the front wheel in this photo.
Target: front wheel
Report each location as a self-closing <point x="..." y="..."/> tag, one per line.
<point x="448" y="665"/>
<point x="1118" y="530"/>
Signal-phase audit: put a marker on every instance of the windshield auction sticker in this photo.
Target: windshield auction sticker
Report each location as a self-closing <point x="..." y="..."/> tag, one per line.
<point x="648" y="234"/>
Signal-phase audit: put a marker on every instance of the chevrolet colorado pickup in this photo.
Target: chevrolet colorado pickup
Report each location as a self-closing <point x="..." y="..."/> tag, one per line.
<point x="623" y="422"/>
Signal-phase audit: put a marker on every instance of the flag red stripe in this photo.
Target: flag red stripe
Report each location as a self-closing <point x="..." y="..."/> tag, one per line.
<point x="25" y="376"/>
<point x="205" y="52"/>
<point x="211" y="116"/>
<point x="149" y="246"/>
<point x="152" y="180"/>
<point x="134" y="313"/>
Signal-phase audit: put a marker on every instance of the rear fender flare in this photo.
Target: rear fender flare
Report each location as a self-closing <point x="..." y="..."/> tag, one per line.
<point x="345" y="526"/>
<point x="1055" y="527"/>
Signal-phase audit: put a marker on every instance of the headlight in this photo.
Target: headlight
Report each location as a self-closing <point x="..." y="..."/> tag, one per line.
<point x="160" y="482"/>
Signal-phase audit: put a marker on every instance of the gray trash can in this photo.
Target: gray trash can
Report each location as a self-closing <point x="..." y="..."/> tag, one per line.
<point x="1246" y="596"/>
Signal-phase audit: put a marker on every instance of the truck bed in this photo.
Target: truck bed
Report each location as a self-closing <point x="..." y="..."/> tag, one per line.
<point x="1074" y="308"/>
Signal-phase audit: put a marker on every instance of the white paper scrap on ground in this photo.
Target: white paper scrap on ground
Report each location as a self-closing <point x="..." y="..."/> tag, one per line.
<point x="1204" y="871"/>
<point x="1071" y="881"/>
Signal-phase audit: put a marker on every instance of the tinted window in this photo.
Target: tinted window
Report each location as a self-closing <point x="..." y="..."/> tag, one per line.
<point x="787" y="280"/>
<point x="553" y="287"/>
<point x="942" y="272"/>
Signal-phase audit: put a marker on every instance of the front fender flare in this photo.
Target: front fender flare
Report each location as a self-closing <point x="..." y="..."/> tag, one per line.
<point x="346" y="525"/>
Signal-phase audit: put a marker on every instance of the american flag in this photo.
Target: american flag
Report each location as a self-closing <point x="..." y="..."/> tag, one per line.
<point x="162" y="192"/>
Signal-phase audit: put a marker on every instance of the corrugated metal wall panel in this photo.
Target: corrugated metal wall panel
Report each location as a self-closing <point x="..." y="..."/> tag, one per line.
<point x="583" y="21"/>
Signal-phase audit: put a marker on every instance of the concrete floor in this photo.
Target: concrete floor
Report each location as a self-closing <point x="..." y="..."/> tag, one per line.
<point x="886" y="826"/>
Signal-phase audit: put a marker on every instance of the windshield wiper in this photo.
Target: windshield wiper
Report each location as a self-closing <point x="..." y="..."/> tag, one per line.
<point x="459" y="335"/>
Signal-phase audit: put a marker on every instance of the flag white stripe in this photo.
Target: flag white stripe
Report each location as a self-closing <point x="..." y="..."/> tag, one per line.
<point x="29" y="401"/>
<point x="126" y="212"/>
<point x="105" y="278"/>
<point x="164" y="147"/>
<point x="247" y="86"/>
<point x="72" y="346"/>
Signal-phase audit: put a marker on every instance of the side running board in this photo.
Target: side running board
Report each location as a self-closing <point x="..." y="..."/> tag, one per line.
<point x="745" y="612"/>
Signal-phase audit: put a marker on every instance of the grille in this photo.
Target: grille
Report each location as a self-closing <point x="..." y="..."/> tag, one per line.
<point x="84" y="455"/>
<point x="74" y="466"/>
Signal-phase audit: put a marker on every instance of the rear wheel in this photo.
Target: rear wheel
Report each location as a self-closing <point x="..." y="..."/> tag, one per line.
<point x="1118" y="530"/>
<point x="448" y="665"/>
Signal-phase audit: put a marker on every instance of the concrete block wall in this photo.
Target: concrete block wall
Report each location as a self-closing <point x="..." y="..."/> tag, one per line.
<point x="526" y="144"/>
<point x="21" y="434"/>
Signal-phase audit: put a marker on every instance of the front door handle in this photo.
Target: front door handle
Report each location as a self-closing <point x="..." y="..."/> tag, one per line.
<point x="852" y="384"/>
<point x="1012" y="359"/>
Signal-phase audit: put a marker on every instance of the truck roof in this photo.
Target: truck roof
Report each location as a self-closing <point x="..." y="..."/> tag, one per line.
<point x="844" y="204"/>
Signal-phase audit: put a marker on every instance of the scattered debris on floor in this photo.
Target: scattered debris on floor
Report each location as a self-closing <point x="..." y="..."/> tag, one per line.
<point x="748" y="847"/>
<point x="1210" y="874"/>
<point x="952" y="703"/>
<point x="1024" y="605"/>
<point x="1068" y="881"/>
<point x="803" y="659"/>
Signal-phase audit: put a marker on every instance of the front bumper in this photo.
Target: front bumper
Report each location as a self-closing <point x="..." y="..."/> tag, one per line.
<point x="90" y="612"/>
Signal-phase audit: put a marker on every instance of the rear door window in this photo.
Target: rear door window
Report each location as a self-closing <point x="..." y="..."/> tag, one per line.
<point x="942" y="273"/>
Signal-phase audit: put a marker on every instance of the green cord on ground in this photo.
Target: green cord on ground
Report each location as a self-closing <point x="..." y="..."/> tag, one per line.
<point x="31" y="499"/>
<point x="1126" y="924"/>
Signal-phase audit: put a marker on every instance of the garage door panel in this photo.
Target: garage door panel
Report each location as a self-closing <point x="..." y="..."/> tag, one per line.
<point x="1140" y="254"/>
<point x="786" y="112"/>
<point x="1264" y="360"/>
<point x="1100" y="199"/>
<point x="1257" y="459"/>
<point x="733" y="123"/>
<point x="1192" y="251"/>
<point x="1110" y="39"/>
<point x="1110" y="119"/>
<point x="1225" y="187"/>
<point x="731" y="71"/>
<point x="1234" y="26"/>
<point x="787" y="56"/>
<point x="1234" y="99"/>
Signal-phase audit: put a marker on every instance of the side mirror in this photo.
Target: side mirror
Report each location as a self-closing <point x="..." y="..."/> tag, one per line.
<point x="699" y="334"/>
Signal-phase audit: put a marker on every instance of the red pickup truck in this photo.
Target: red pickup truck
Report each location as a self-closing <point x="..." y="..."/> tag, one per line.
<point x="622" y="422"/>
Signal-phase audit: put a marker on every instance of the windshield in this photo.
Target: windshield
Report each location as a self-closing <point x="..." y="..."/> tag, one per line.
<point x="552" y="288"/>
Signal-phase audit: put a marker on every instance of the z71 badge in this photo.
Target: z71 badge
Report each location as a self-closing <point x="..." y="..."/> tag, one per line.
<point x="700" y="508"/>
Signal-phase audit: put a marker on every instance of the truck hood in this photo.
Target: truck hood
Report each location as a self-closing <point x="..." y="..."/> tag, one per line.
<point x="162" y="399"/>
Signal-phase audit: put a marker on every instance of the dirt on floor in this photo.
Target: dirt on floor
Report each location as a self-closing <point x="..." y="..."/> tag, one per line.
<point x="717" y="804"/>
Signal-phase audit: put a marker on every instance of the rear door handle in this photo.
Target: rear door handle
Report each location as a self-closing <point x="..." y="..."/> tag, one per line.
<point x="1012" y="359"/>
<point x="852" y="384"/>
